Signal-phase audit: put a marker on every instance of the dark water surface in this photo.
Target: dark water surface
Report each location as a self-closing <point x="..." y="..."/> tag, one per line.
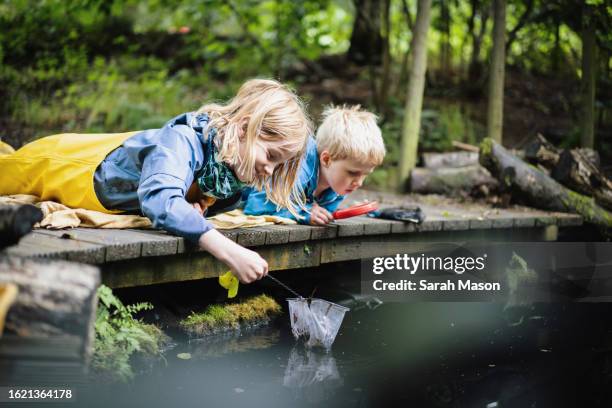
<point x="413" y="354"/>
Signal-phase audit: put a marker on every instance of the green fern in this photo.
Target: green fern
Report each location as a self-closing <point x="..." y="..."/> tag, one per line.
<point x="119" y="335"/>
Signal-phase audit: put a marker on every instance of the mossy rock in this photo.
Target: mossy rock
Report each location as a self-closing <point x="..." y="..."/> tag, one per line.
<point x="252" y="312"/>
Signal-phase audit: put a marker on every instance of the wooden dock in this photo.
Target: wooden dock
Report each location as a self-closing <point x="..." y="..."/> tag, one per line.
<point x="144" y="257"/>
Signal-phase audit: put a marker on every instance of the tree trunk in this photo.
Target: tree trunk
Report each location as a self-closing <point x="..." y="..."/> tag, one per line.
<point x="475" y="67"/>
<point x="536" y="187"/>
<point x="451" y="180"/>
<point x="495" y="106"/>
<point x="414" y="95"/>
<point x="383" y="93"/>
<point x="17" y="221"/>
<point x="588" y="82"/>
<point x="366" y="40"/>
<point x="55" y="298"/>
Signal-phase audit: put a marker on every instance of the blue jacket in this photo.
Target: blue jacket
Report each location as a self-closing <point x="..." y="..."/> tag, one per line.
<point x="152" y="171"/>
<point x="256" y="202"/>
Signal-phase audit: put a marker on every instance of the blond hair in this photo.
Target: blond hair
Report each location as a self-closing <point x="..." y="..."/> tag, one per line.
<point x="273" y="113"/>
<point x="348" y="132"/>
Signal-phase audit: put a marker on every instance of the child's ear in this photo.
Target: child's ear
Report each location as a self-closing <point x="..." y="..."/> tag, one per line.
<point x="325" y="158"/>
<point x="243" y="126"/>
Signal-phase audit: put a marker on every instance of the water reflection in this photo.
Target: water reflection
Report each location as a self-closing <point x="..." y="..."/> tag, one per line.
<point x="216" y="346"/>
<point x="312" y="374"/>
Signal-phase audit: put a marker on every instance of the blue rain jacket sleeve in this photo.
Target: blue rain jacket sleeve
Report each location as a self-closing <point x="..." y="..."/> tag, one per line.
<point x="257" y="202"/>
<point x="167" y="173"/>
<point x="151" y="173"/>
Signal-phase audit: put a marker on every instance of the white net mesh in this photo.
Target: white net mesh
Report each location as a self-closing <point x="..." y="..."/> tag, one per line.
<point x="318" y="322"/>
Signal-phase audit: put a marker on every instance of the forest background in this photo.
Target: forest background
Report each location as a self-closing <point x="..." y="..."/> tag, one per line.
<point x="119" y="65"/>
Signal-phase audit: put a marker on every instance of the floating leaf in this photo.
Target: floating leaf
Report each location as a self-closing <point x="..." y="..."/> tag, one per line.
<point x="184" y="356"/>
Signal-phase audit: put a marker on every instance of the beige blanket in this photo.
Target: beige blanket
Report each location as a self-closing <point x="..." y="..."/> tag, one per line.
<point x="57" y="216"/>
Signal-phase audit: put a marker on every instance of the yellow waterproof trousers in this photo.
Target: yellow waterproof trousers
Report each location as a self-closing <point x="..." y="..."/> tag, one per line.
<point x="60" y="168"/>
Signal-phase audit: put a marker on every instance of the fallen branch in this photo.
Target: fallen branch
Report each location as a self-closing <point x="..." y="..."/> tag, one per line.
<point x="577" y="169"/>
<point x="450" y="180"/>
<point x="539" y="189"/>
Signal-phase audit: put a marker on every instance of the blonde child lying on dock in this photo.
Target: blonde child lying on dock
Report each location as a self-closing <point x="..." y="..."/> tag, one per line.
<point x="347" y="149"/>
<point x="257" y="139"/>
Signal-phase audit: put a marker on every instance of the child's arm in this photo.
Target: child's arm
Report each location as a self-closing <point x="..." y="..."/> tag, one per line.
<point x="166" y="174"/>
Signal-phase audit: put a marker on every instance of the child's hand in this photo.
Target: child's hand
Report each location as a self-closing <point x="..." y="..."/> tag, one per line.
<point x="247" y="265"/>
<point x="320" y="216"/>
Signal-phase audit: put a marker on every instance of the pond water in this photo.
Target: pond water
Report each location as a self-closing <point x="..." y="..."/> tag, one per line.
<point x="417" y="354"/>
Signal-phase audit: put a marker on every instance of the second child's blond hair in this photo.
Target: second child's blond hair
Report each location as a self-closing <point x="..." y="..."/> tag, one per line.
<point x="348" y="132"/>
<point x="272" y="112"/>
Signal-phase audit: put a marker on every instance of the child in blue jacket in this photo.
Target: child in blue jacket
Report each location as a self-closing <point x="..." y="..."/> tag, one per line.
<point x="348" y="147"/>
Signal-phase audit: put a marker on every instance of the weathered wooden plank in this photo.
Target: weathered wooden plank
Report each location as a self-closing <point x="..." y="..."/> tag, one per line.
<point x="276" y="234"/>
<point x="249" y="237"/>
<point x="524" y="221"/>
<point x="119" y="244"/>
<point x="430" y="224"/>
<point x="292" y="255"/>
<point x="350" y="227"/>
<point x="480" y="223"/>
<point x="36" y="245"/>
<point x="501" y="219"/>
<point x="200" y="265"/>
<point x="157" y="242"/>
<point x="399" y="227"/>
<point x="325" y="232"/>
<point x="299" y="233"/>
<point x="354" y="248"/>
<point x="376" y="226"/>
<point x="455" y="224"/>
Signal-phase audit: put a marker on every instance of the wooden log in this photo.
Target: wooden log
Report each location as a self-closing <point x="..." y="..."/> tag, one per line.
<point x="539" y="189"/>
<point x="56" y="299"/>
<point x="577" y="169"/>
<point x="16" y="221"/>
<point x="450" y="159"/>
<point x="541" y="151"/>
<point x="448" y="180"/>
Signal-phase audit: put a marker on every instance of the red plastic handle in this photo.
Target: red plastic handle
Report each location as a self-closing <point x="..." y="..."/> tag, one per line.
<point x="355" y="210"/>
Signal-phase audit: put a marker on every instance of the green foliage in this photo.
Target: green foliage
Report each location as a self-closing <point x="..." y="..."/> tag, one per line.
<point x="119" y="336"/>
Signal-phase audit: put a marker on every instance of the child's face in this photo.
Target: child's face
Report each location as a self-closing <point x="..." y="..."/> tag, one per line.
<point x="268" y="155"/>
<point x="344" y="176"/>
